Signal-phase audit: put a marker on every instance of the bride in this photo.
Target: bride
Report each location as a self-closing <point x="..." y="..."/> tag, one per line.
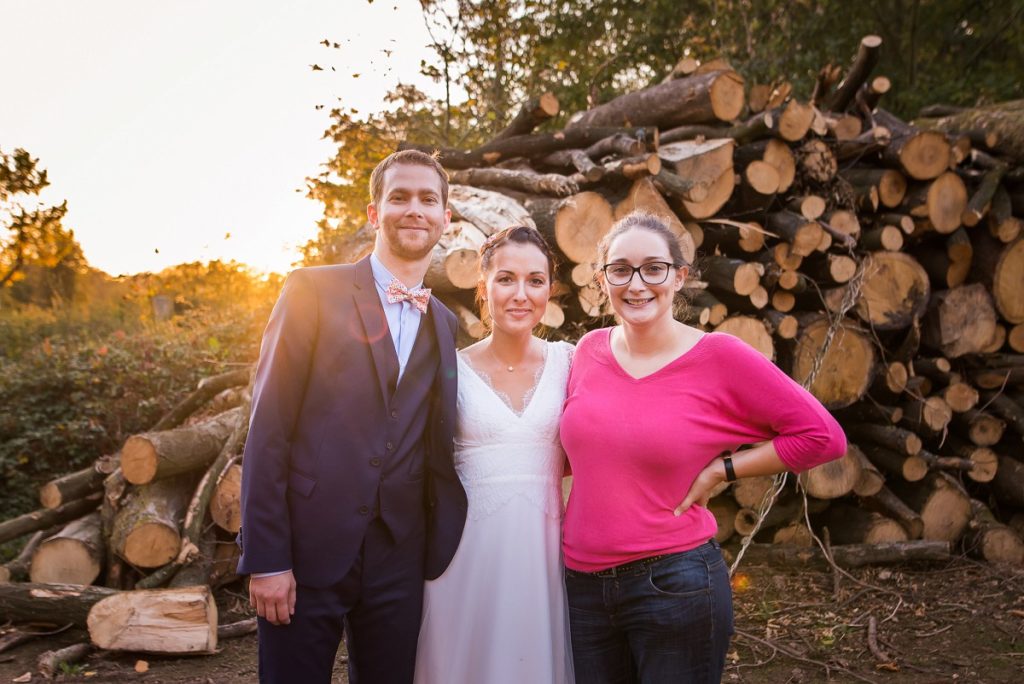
<point x="498" y="613"/>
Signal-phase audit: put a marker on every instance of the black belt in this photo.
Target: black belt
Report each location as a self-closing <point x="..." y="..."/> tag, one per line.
<point x="630" y="568"/>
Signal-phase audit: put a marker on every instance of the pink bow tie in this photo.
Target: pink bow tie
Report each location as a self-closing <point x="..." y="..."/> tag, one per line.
<point x="398" y="292"/>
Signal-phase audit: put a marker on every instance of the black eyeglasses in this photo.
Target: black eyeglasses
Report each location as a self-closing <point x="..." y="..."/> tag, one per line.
<point x="652" y="273"/>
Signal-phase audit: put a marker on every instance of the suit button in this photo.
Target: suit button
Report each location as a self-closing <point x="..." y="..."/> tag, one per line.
<point x="363" y="510"/>
<point x="389" y="446"/>
<point x="375" y="461"/>
<point x="394" y="414"/>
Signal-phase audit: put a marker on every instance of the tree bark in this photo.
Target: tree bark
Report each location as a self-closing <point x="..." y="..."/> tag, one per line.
<point x="850" y="555"/>
<point x="79" y="484"/>
<point x="705" y="98"/>
<point x="57" y="604"/>
<point x="849" y="524"/>
<point x="802" y="235"/>
<point x="156" y="455"/>
<point x="16" y="569"/>
<point x="531" y="145"/>
<point x="50" y="663"/>
<point x="991" y="540"/>
<point x="553" y="184"/>
<point x="145" y="531"/>
<point x="41" y="519"/>
<point x="944" y="508"/>
<point x="889" y="436"/>
<point x="206" y="390"/>
<point x="225" y="504"/>
<point x="863" y="64"/>
<point x="533" y="113"/>
<point x="884" y="501"/>
<point x="1008" y="484"/>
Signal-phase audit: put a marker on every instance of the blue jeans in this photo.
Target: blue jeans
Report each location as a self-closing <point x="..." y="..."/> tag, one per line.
<point x="665" y="619"/>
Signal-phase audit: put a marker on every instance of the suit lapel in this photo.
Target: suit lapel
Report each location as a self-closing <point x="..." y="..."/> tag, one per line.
<point x="446" y="349"/>
<point x="375" y="324"/>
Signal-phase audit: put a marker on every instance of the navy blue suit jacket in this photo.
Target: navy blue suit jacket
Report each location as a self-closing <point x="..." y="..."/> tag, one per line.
<point x="318" y="408"/>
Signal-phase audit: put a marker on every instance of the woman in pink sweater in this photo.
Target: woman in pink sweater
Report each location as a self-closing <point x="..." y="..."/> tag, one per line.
<point x="652" y="406"/>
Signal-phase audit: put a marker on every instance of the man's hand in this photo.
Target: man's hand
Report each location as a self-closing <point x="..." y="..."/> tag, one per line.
<point x="700" y="491"/>
<point x="273" y="597"/>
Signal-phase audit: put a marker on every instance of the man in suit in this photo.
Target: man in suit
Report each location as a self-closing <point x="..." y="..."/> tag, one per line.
<point x="349" y="494"/>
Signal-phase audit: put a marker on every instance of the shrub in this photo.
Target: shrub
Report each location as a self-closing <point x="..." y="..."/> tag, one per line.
<point x="72" y="396"/>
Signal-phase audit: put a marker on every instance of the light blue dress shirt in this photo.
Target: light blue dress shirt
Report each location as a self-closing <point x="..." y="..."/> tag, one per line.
<point x="403" y="317"/>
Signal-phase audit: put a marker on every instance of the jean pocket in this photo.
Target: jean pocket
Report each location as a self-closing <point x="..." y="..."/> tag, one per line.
<point x="682" y="576"/>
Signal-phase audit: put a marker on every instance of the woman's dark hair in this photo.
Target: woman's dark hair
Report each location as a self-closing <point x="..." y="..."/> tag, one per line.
<point x="642" y="220"/>
<point x="520" y="235"/>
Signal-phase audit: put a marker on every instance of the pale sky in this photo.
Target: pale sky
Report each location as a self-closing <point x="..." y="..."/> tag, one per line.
<point x="167" y="125"/>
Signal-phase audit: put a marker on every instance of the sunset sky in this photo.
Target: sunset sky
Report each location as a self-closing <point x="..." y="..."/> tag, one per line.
<point x="170" y="125"/>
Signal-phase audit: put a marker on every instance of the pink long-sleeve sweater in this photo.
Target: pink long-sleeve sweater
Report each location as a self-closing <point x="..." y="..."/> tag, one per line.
<point x="636" y="445"/>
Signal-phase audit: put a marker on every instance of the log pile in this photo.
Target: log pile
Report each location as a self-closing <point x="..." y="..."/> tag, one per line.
<point x="129" y="547"/>
<point x="878" y="261"/>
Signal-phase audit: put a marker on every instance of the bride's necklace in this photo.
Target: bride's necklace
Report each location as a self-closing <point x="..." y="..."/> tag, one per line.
<point x="508" y="367"/>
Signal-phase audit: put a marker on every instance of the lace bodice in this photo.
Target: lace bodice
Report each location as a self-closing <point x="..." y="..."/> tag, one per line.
<point x="501" y="455"/>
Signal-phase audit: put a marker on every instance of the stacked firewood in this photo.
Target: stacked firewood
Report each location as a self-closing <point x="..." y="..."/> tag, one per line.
<point x="152" y="525"/>
<point x="878" y="262"/>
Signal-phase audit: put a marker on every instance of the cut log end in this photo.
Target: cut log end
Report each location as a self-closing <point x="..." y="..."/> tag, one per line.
<point x="50" y="496"/>
<point x="139" y="460"/>
<point x="65" y="561"/>
<point x="845" y="369"/>
<point x="925" y="155"/>
<point x="750" y="330"/>
<point x="151" y="545"/>
<point x="833" y="479"/>
<point x="946" y="202"/>
<point x="895" y="290"/>
<point x="727" y="97"/>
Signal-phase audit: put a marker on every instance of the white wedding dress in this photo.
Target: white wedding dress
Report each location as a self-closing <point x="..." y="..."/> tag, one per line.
<point x="498" y="613"/>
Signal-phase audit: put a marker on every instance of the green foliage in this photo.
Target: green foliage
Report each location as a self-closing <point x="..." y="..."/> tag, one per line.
<point x="77" y="380"/>
<point x="32" y="235"/>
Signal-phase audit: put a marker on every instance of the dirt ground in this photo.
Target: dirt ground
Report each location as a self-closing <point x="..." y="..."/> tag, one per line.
<point x="956" y="622"/>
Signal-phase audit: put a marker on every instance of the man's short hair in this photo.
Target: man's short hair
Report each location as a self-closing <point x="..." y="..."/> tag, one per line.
<point x="414" y="157"/>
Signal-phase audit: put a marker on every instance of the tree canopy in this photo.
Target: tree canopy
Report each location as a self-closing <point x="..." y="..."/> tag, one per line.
<point x="32" y="235"/>
<point x="491" y="55"/>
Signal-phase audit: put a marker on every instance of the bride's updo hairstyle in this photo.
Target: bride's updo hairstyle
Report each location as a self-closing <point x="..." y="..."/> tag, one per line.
<point x="520" y="235"/>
